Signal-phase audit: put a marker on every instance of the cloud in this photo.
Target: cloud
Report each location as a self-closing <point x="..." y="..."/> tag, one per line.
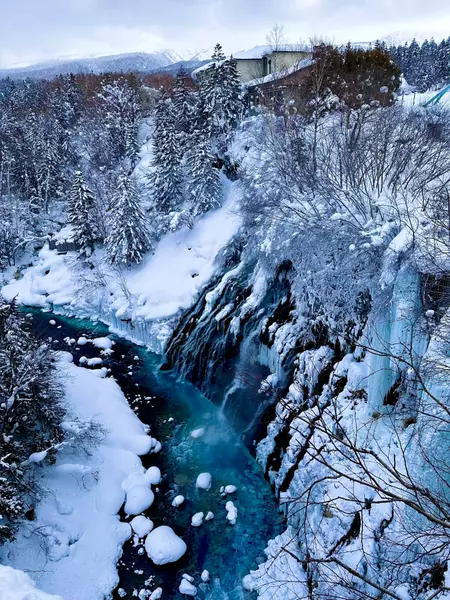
<point x="33" y="30"/>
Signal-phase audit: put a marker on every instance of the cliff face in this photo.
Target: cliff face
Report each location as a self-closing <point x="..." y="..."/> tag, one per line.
<point x="338" y="419"/>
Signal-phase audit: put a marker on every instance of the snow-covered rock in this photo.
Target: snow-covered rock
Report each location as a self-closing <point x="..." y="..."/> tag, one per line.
<point x="178" y="501"/>
<point x="104" y="343"/>
<point x="187" y="588"/>
<point x="139" y="498"/>
<point x="82" y="341"/>
<point x="232" y="512"/>
<point x="93" y="362"/>
<point x="229" y="489"/>
<point x="164" y="546"/>
<point x="197" y="433"/>
<point x="141" y="525"/>
<point x="156" y="594"/>
<point x="205" y="576"/>
<point x="209" y="516"/>
<point x="153" y="475"/>
<point x="197" y="519"/>
<point x="204" y="481"/>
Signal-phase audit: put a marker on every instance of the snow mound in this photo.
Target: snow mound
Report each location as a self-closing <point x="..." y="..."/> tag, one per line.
<point x="209" y="516"/>
<point x="164" y="546"/>
<point x="187" y="588"/>
<point x="205" y="576"/>
<point x="204" y="481"/>
<point x="153" y="475"/>
<point x="178" y="501"/>
<point x="17" y="585"/>
<point x="139" y="498"/>
<point x="197" y="433"/>
<point x="104" y="343"/>
<point x="141" y="525"/>
<point x="229" y="489"/>
<point x="134" y="479"/>
<point x="232" y="512"/>
<point x="197" y="519"/>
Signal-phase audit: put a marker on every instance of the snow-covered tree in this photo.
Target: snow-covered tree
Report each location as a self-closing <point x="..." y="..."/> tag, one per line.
<point x="30" y="412"/>
<point x="221" y="97"/>
<point x="81" y="215"/>
<point x="185" y="103"/>
<point x="203" y="183"/>
<point x="166" y="178"/>
<point x="129" y="229"/>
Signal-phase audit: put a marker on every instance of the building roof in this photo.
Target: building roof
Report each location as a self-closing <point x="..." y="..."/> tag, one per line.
<point x="257" y="53"/>
<point x="300" y="65"/>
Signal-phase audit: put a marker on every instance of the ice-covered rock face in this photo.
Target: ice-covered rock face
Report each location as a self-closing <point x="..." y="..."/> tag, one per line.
<point x="164" y="546"/>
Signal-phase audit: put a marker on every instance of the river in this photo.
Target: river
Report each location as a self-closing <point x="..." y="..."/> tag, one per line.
<point x="173" y="409"/>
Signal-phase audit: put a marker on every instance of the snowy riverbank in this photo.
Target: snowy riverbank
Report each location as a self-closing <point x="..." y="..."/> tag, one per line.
<point x="72" y="547"/>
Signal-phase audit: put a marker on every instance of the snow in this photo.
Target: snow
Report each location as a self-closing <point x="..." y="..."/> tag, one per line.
<point x="197" y="433"/>
<point x="205" y="576"/>
<point x="82" y="341"/>
<point x="261" y="51"/>
<point x="17" y="585"/>
<point x="153" y="475"/>
<point x="301" y="64"/>
<point x="141" y="304"/>
<point x="187" y="588"/>
<point x="103" y="342"/>
<point x="164" y="546"/>
<point x="93" y="362"/>
<point x="197" y="519"/>
<point x="37" y="457"/>
<point x="156" y="594"/>
<point x="232" y="512"/>
<point x="137" y="478"/>
<point x="81" y="535"/>
<point x="141" y="525"/>
<point x="209" y="516"/>
<point x="204" y="481"/>
<point x="52" y="322"/>
<point x="139" y="498"/>
<point x="178" y="501"/>
<point x="229" y="489"/>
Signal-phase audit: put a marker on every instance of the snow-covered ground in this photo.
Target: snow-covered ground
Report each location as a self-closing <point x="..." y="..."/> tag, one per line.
<point x="72" y="547"/>
<point x="140" y="301"/>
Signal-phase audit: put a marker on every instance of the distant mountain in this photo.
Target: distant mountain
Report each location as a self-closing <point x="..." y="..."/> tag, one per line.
<point x="119" y="63"/>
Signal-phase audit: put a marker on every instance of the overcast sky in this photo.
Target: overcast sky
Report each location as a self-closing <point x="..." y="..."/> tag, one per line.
<point x="36" y="30"/>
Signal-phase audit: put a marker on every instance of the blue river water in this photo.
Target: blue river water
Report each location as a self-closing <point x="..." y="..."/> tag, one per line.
<point x="173" y="409"/>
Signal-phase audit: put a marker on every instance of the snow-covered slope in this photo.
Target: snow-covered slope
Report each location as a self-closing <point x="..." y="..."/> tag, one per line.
<point x="17" y="585"/>
<point x="140" y="301"/>
<point x="118" y="63"/>
<point x="73" y="545"/>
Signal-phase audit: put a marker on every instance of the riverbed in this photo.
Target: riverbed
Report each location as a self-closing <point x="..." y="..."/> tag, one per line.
<point x="173" y="409"/>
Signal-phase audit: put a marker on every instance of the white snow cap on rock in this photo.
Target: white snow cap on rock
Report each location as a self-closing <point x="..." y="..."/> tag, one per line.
<point x="209" y="516"/>
<point x="229" y="489"/>
<point x="17" y="585"/>
<point x="138" y="478"/>
<point x="141" y="525"/>
<point x="178" y="501"/>
<point x="104" y="343"/>
<point x="188" y="577"/>
<point x="156" y="594"/>
<point x="82" y="341"/>
<point x="153" y="475"/>
<point x="164" y="546"/>
<point x="204" y="481"/>
<point x="139" y="498"/>
<point x="187" y="588"/>
<point x="197" y="519"/>
<point x="232" y="512"/>
<point x="205" y="576"/>
<point x="197" y="433"/>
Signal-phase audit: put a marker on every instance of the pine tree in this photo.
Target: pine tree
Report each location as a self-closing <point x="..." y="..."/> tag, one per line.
<point x="167" y="178"/>
<point x="185" y="104"/>
<point x="204" y="187"/>
<point x="30" y="411"/>
<point x="81" y="215"/>
<point x="129" y="229"/>
<point x="220" y="95"/>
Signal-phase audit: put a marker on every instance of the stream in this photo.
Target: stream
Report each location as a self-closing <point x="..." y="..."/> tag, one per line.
<point x="173" y="409"/>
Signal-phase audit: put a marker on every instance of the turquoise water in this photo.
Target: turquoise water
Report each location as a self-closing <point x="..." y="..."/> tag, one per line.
<point x="173" y="409"/>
